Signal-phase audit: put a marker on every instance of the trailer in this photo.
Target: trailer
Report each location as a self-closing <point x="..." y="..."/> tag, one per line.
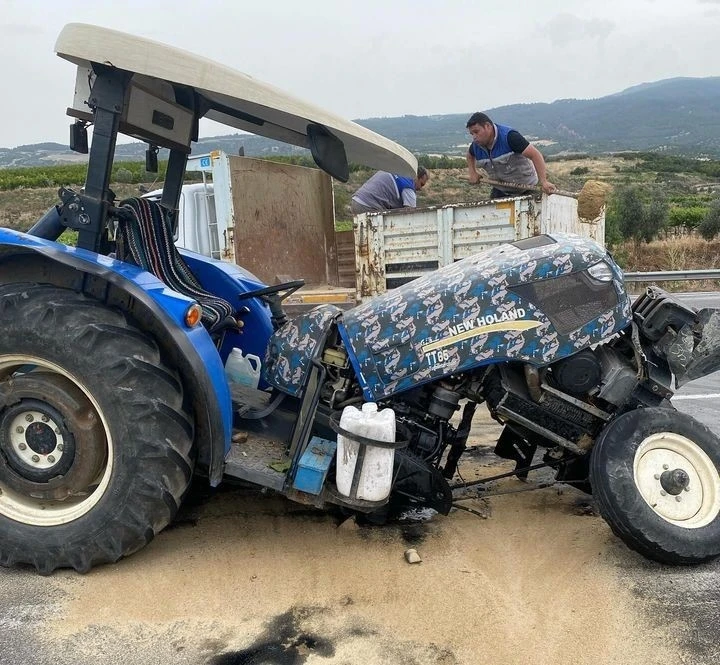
<point x="220" y="218"/>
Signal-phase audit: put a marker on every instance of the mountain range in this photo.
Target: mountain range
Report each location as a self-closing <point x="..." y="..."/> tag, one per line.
<point x="677" y="116"/>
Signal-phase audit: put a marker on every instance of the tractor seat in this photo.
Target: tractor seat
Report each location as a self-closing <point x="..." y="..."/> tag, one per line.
<point x="144" y="238"/>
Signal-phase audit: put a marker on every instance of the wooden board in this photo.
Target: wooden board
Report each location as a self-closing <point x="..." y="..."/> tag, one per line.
<point x="284" y="224"/>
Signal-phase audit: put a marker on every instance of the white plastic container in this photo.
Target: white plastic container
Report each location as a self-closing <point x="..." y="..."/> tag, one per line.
<point x="376" y="474"/>
<point x="244" y="370"/>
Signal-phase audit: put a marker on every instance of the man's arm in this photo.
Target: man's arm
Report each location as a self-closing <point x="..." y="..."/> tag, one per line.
<point x="535" y="156"/>
<point x="473" y="176"/>
<point x="409" y="199"/>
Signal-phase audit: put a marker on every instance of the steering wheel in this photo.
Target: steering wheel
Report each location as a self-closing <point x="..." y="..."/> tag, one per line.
<point x="290" y="287"/>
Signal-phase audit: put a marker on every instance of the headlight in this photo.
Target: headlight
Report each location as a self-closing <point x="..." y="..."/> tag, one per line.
<point x="601" y="272"/>
<point x="193" y="314"/>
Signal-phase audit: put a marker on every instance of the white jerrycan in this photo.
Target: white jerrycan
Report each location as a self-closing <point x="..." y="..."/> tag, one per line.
<point x="243" y="370"/>
<point x="377" y="466"/>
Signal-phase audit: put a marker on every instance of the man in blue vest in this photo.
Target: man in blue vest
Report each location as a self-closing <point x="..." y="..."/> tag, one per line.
<point x="387" y="191"/>
<point x="506" y="155"/>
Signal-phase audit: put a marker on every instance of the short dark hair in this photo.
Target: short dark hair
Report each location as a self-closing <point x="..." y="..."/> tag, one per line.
<point x="421" y="172"/>
<point x="478" y="118"/>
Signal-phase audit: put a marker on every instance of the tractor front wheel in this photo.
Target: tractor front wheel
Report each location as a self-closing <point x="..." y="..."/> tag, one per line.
<point x="655" y="473"/>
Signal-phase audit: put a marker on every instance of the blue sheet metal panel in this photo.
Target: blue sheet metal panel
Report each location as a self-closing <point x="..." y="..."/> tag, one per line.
<point x="314" y="464"/>
<point x="229" y="281"/>
<point x="171" y="304"/>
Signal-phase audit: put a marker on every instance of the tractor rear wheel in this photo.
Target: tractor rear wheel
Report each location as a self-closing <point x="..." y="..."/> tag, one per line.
<point x="95" y="445"/>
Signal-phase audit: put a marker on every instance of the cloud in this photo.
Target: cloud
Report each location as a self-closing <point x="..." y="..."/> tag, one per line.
<point x="19" y="30"/>
<point x="564" y="29"/>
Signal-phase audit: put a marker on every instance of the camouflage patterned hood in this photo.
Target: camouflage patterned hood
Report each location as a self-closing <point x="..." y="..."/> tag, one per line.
<point x="531" y="301"/>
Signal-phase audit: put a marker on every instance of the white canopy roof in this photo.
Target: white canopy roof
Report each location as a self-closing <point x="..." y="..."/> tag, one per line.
<point x="283" y="117"/>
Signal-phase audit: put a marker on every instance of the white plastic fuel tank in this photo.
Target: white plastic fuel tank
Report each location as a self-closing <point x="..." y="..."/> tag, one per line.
<point x="377" y="466"/>
<point x="243" y="369"/>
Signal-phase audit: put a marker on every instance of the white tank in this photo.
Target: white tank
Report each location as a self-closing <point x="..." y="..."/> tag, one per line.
<point x="243" y="370"/>
<point x="376" y="474"/>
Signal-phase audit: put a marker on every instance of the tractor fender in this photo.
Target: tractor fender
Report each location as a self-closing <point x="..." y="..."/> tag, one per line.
<point x="154" y="308"/>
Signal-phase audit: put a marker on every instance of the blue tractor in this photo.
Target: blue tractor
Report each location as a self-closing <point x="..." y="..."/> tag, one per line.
<point x="113" y="393"/>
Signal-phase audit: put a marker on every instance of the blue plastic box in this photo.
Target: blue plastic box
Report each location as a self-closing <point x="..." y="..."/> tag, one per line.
<point x="314" y="464"/>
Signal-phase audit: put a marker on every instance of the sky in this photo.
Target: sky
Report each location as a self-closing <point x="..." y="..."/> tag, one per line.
<point x="372" y="58"/>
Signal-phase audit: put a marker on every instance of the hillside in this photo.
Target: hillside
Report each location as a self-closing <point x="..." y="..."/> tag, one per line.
<point x="21" y="207"/>
<point x="676" y="116"/>
<point x="680" y="116"/>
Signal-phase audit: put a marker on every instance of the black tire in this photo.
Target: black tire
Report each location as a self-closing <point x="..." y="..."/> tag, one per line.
<point x="669" y="518"/>
<point x="95" y="447"/>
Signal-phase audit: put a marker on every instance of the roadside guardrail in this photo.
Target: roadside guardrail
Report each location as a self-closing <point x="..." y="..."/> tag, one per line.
<point x="671" y="275"/>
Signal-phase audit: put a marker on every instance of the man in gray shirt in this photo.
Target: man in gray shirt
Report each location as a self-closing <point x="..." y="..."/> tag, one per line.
<point x="386" y="191"/>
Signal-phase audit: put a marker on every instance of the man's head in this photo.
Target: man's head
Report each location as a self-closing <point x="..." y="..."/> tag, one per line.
<point x="422" y="178"/>
<point x="481" y="129"/>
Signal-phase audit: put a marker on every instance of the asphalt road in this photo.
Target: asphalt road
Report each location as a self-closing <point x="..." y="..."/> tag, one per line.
<point x="701" y="398"/>
<point x="682" y="603"/>
<point x="689" y="599"/>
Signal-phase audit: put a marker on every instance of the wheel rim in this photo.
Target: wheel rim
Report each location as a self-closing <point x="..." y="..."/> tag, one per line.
<point x="677" y="479"/>
<point x="56" y="455"/>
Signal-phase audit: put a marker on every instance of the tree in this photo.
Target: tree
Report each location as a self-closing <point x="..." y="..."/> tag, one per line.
<point x="628" y="217"/>
<point x="710" y="226"/>
<point x="690" y="217"/>
<point x="124" y="176"/>
<point x="625" y="211"/>
<point x="655" y="217"/>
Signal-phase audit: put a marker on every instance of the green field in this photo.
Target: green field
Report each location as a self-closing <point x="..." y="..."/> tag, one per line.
<point x="682" y="190"/>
